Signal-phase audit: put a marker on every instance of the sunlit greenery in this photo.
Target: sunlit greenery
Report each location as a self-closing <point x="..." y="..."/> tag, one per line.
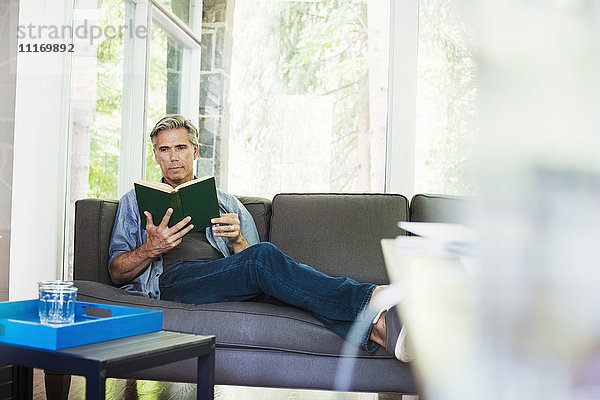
<point x="315" y="50"/>
<point x="106" y="123"/>
<point x="446" y="99"/>
<point x="323" y="50"/>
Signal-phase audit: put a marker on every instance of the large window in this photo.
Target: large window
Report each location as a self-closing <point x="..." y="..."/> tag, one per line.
<point x="308" y="96"/>
<point x="292" y="95"/>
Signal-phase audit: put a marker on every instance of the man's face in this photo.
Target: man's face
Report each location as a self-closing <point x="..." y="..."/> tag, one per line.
<point x="175" y="154"/>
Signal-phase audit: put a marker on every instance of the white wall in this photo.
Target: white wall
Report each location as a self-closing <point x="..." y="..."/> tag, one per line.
<point x="8" y="55"/>
<point x="40" y="149"/>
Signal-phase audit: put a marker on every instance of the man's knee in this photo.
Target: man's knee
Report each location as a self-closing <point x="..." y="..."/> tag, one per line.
<point x="267" y="248"/>
<point x="266" y="251"/>
<point x="264" y="256"/>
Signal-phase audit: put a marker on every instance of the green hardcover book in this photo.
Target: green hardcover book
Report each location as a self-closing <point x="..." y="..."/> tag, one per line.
<point x="196" y="198"/>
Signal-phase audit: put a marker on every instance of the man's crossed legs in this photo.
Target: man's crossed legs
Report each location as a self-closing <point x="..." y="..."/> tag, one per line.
<point x="264" y="269"/>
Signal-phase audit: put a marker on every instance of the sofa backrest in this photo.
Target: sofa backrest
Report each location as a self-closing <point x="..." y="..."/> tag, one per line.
<point x="338" y="234"/>
<point x="94" y="220"/>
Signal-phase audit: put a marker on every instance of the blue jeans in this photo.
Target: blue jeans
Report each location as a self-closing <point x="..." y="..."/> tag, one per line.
<point x="264" y="269"/>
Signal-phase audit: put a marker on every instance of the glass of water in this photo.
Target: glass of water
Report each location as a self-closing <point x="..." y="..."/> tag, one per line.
<point x="56" y="302"/>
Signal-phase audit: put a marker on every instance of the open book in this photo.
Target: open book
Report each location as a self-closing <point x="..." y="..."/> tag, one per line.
<point x="196" y="198"/>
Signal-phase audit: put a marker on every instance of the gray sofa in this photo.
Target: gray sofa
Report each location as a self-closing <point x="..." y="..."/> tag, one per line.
<point x="272" y="345"/>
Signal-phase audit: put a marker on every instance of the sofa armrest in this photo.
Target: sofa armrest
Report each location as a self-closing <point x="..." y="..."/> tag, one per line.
<point x="93" y="226"/>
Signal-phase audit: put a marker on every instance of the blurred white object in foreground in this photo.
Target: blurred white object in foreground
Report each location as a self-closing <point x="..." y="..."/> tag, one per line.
<point x="539" y="216"/>
<point x="527" y="326"/>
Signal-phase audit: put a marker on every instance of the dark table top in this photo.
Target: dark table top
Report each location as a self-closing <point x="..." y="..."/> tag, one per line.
<point x="113" y="356"/>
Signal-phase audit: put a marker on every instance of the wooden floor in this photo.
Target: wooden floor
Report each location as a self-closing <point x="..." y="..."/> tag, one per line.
<point x="121" y="389"/>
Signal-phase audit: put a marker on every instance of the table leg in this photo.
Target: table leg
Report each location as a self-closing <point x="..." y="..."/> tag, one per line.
<point x="205" y="389"/>
<point x="57" y="385"/>
<point x="23" y="379"/>
<point x="95" y="387"/>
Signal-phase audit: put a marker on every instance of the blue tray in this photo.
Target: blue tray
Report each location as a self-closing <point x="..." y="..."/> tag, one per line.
<point x="20" y="325"/>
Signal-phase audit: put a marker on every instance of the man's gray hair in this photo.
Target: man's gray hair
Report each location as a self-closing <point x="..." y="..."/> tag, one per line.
<point x="175" y="121"/>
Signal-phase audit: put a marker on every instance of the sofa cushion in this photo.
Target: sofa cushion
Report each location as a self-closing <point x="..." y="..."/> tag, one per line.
<point x="260" y="344"/>
<point x="237" y="324"/>
<point x="438" y="208"/>
<point x="338" y="234"/>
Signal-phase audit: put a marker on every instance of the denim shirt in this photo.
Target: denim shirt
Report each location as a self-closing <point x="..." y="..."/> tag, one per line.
<point x="128" y="235"/>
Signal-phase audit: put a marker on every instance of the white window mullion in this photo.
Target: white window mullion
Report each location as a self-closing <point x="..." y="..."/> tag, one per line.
<point x="196" y="17"/>
<point x="402" y="97"/>
<point x="190" y="84"/>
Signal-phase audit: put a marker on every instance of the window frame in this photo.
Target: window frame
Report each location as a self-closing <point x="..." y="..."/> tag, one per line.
<point x="134" y="130"/>
<point x="402" y="98"/>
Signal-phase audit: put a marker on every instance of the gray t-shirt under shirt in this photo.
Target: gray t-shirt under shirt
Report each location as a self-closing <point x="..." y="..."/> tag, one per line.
<point x="193" y="247"/>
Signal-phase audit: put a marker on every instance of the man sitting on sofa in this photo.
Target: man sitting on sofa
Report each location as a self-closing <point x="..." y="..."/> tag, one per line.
<point x="226" y="262"/>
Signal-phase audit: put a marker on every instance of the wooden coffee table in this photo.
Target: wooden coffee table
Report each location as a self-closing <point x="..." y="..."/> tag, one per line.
<point x="114" y="359"/>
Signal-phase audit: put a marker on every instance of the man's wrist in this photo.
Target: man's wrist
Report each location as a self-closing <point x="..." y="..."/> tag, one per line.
<point x="146" y="253"/>
<point x="240" y="244"/>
